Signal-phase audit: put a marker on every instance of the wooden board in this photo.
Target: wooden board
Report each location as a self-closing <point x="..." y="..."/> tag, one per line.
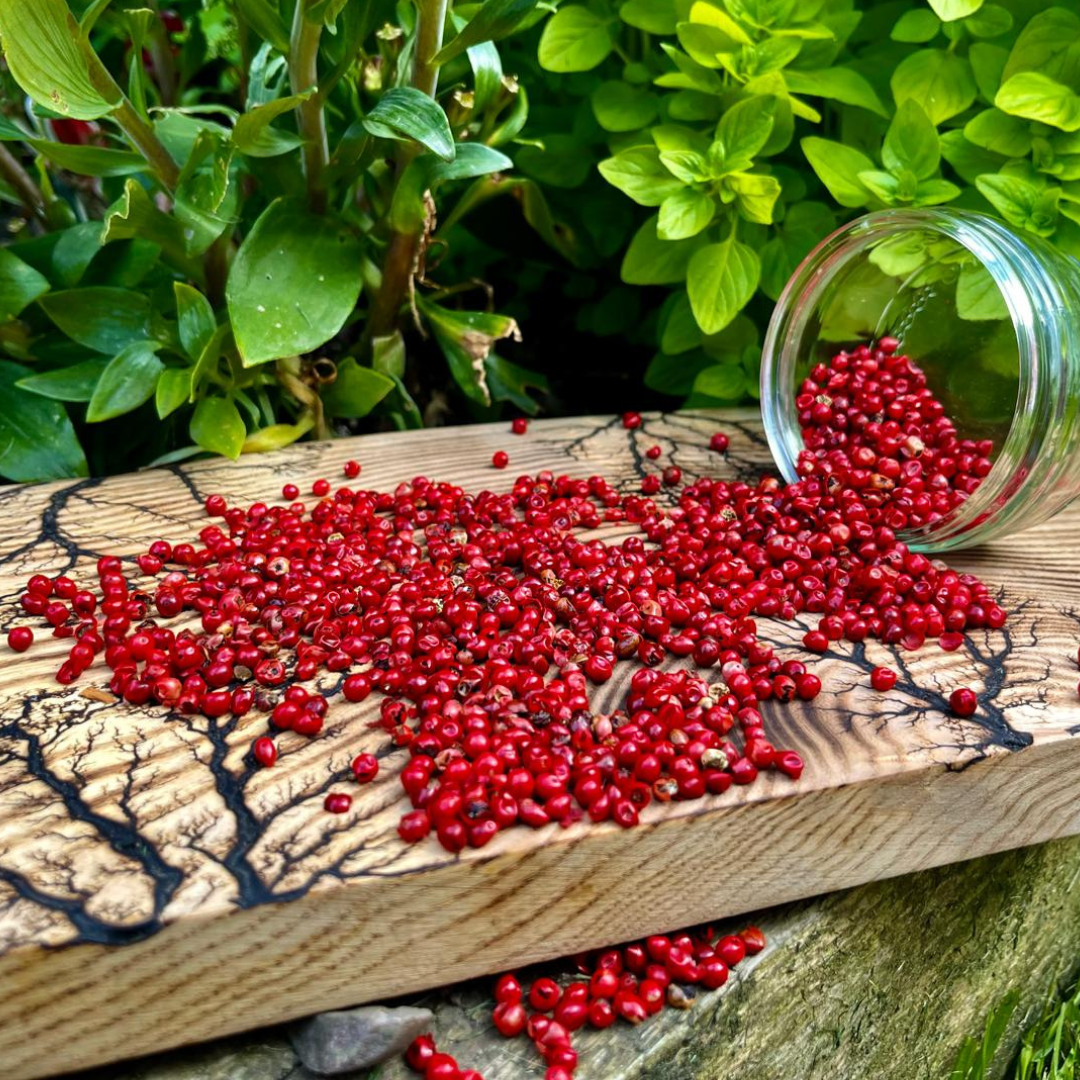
<point x="155" y="891"/>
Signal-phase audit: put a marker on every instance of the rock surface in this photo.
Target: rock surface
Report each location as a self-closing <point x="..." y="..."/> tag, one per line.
<point x="333" y="1043"/>
<point x="884" y="980"/>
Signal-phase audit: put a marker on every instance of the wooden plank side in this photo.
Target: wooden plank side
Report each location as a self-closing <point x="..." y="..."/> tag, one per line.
<point x="145" y="865"/>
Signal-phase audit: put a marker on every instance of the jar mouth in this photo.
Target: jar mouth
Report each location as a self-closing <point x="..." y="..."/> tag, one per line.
<point x="1004" y="262"/>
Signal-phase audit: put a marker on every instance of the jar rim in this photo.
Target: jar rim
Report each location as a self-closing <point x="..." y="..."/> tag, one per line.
<point x="1015" y="271"/>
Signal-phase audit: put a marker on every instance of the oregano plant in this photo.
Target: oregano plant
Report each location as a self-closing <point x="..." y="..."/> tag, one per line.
<point x="224" y="221"/>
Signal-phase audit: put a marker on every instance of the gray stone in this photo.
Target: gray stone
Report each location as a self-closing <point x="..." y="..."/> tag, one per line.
<point x="332" y="1043"/>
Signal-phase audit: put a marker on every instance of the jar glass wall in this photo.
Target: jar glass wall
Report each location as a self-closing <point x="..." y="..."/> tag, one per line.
<point x="990" y="316"/>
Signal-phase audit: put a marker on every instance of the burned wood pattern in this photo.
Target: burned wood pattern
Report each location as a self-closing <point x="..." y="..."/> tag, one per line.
<point x="157" y="888"/>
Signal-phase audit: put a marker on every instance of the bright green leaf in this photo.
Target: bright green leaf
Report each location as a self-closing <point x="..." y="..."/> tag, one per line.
<point x="652" y="261"/>
<point x="997" y="131"/>
<point x="940" y="81"/>
<point x="253" y="135"/>
<point x="639" y="173"/>
<point x="684" y="214"/>
<point x="618" y="106"/>
<point x="836" y="84"/>
<point x="74" y="383"/>
<point x="196" y="319"/>
<point x="987" y="64"/>
<point x="1042" y="41"/>
<point x="978" y="296"/>
<point x="1033" y="96"/>
<point x="128" y="381"/>
<point x="934" y="192"/>
<point x="90" y="160"/>
<point x="726" y="382"/>
<point x="951" y="10"/>
<point x="277" y="436"/>
<point x="755" y="195"/>
<point x="1021" y="203"/>
<point x="20" y="285"/>
<point x="990" y="21"/>
<point x="293" y="283"/>
<point x="217" y="426"/>
<point x="355" y="391"/>
<point x="912" y="142"/>
<point x="37" y="439"/>
<point x="652" y="16"/>
<point x="916" y="27"/>
<point x="405" y="113"/>
<point x="575" y="39"/>
<point x="43" y="49"/>
<point x="173" y="390"/>
<point x="720" y="281"/>
<point x="744" y="130"/>
<point x="103" y="319"/>
<point x="838" y="167"/>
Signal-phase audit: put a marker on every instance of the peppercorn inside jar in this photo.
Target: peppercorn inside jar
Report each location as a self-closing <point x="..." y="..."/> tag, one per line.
<point x="990" y="318"/>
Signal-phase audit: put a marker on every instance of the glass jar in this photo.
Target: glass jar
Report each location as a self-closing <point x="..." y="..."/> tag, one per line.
<point x="993" y="319"/>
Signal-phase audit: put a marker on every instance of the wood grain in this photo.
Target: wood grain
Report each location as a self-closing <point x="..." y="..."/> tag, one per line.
<point x="155" y="890"/>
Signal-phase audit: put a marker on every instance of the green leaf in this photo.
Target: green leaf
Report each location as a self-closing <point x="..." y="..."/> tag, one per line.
<point x="934" y="192"/>
<point x="997" y="131"/>
<point x="978" y="297"/>
<point x="836" y="84"/>
<point x="74" y="251"/>
<point x="639" y="173"/>
<point x="37" y="439"/>
<point x="89" y="160"/>
<point x="755" y="195"/>
<point x="652" y="16"/>
<point x="916" y="27"/>
<point x="1021" y="203"/>
<point x="679" y="331"/>
<point x="293" y="283"/>
<point x="969" y="161"/>
<point x="990" y="21"/>
<point x="405" y="113"/>
<point x="208" y="358"/>
<point x="618" y="106"/>
<point x="207" y="199"/>
<point x="264" y="19"/>
<point x="217" y="426"/>
<point x="50" y="61"/>
<point x="128" y="381"/>
<point x="575" y="39"/>
<point x="467" y="339"/>
<point x="173" y="390"/>
<point x="1046" y="36"/>
<point x="103" y="319"/>
<point x="941" y="82"/>
<point x="74" y="383"/>
<point x="253" y="135"/>
<point x="684" y="214"/>
<point x="495" y="20"/>
<point x="838" y="167"/>
<point x="1033" y="96"/>
<point x="20" y="285"/>
<point x="883" y="185"/>
<point x="987" y="64"/>
<point x="652" y="261"/>
<point x="135" y="216"/>
<point x="277" y="436"/>
<point x="744" y="130"/>
<point x="512" y="383"/>
<point x="688" y="166"/>
<point x="725" y="382"/>
<point x="720" y="280"/>
<point x="355" y="391"/>
<point x="912" y="142"/>
<point x="197" y="323"/>
<point x="707" y="14"/>
<point x="951" y="10"/>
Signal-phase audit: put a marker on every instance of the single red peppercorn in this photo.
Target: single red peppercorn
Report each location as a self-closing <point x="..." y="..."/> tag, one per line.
<point x="321" y="488"/>
<point x="509" y="1018"/>
<point x="719" y="442"/>
<point x="509" y="989"/>
<point x="631" y="420"/>
<point x="351" y="469"/>
<point x="519" y="425"/>
<point x="338" y="803"/>
<point x="500" y="459"/>
<point x="753" y="940"/>
<point x="882" y="678"/>
<point x="544" y="995"/>
<point x="290" y="492"/>
<point x="672" y="475"/>
<point x="265" y="751"/>
<point x="653" y="452"/>
<point x="365" y="768"/>
<point x="963" y="702"/>
<point x="421" y="1050"/>
<point x="20" y="638"/>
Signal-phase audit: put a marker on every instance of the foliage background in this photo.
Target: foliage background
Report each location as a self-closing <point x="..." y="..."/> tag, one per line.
<point x="236" y="223"/>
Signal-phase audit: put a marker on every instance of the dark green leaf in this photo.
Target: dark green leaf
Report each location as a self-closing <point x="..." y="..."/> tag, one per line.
<point x="618" y="106"/>
<point x="254" y="136"/>
<point x="75" y="250"/>
<point x="916" y="26"/>
<point x="675" y="375"/>
<point x="725" y="382"/>
<point x="20" y="285"/>
<point x="128" y="381"/>
<point x="652" y="261"/>
<point x="37" y="439"/>
<point x="90" y="160"/>
<point x="197" y="323"/>
<point x="48" y="60"/>
<point x="75" y="383"/>
<point x="652" y="16"/>
<point x="207" y="196"/>
<point x="293" y="283"/>
<point x="264" y="19"/>
<point x="135" y="216"/>
<point x="512" y="383"/>
<point x="495" y="20"/>
<point x="404" y="113"/>
<point x="355" y="391"/>
<point x="217" y="426"/>
<point x="103" y="319"/>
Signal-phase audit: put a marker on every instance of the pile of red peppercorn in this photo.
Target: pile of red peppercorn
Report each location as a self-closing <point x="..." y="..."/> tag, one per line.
<point x="632" y="982"/>
<point x="483" y="619"/>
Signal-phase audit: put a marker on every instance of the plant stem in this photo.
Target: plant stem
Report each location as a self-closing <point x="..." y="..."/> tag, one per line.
<point x="400" y="260"/>
<point x="311" y="121"/>
<point x="149" y="145"/>
<point x="29" y="193"/>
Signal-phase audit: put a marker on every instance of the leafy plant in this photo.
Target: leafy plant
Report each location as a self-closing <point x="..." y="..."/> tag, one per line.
<point x="225" y="220"/>
<point x="749" y="129"/>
